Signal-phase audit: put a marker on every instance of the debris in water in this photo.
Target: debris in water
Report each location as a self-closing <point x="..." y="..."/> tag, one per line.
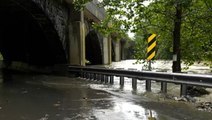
<point x="180" y="99"/>
<point x="205" y="106"/>
<point x="46" y="117"/>
<point x="186" y="98"/>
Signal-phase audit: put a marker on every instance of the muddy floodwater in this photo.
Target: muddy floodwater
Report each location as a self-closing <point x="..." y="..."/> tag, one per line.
<point x="50" y="97"/>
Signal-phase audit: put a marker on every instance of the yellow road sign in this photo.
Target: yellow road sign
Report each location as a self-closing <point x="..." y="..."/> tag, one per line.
<point x="151" y="47"/>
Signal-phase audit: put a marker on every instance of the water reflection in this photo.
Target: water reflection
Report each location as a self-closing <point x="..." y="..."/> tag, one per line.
<point x="60" y="98"/>
<point x="47" y="97"/>
<point x="124" y="110"/>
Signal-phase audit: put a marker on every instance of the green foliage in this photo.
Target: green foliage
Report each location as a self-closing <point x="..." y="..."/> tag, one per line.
<point x="119" y="19"/>
<point x="196" y="29"/>
<point x="159" y="17"/>
<point x="154" y="19"/>
<point x="114" y="28"/>
<point x="196" y="39"/>
<point x="80" y="4"/>
<point x="140" y="47"/>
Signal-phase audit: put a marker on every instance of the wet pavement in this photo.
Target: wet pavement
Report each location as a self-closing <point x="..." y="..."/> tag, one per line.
<point x="49" y="97"/>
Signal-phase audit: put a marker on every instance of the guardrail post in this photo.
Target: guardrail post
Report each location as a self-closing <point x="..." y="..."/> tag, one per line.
<point x="111" y="79"/>
<point x="98" y="77"/>
<point x="183" y="90"/>
<point x="84" y="74"/>
<point x="106" y="78"/>
<point x="94" y="76"/>
<point x="91" y="76"/>
<point x="81" y="74"/>
<point x="121" y="80"/>
<point x="134" y="83"/>
<point x="163" y="87"/>
<point x="88" y="76"/>
<point x="102" y="78"/>
<point x="148" y="85"/>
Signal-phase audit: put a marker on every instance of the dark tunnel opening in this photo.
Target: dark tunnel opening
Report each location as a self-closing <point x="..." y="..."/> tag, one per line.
<point x="93" y="49"/>
<point x="24" y="39"/>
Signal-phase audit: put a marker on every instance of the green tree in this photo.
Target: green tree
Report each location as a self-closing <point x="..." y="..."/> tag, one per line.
<point x="184" y="26"/>
<point x="80" y="4"/>
<point x="181" y="22"/>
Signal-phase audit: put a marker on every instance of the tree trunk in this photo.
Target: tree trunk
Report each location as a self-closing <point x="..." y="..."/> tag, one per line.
<point x="176" y="39"/>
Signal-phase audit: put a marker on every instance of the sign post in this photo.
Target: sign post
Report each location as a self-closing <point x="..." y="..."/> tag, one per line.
<point x="150" y="55"/>
<point x="151" y="49"/>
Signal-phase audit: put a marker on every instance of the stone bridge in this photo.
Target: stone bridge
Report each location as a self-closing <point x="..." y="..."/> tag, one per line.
<point x="50" y="32"/>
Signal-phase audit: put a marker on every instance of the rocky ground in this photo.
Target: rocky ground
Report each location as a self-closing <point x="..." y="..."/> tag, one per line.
<point x="204" y="102"/>
<point x="200" y="105"/>
<point x="199" y="97"/>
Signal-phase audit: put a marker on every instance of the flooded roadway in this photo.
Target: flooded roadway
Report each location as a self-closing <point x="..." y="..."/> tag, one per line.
<point x="45" y="97"/>
<point x="49" y="97"/>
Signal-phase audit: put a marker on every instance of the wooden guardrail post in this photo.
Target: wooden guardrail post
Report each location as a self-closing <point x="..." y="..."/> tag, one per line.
<point x="87" y="75"/>
<point x="163" y="87"/>
<point x="102" y="77"/>
<point x="94" y="76"/>
<point x="98" y="77"/>
<point x="91" y="76"/>
<point x="148" y="85"/>
<point x="121" y="80"/>
<point x="134" y="83"/>
<point x="106" y="78"/>
<point x="81" y="74"/>
<point x="111" y="79"/>
<point x="183" y="90"/>
<point x="84" y="75"/>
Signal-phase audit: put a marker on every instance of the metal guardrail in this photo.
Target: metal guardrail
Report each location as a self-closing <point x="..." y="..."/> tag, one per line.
<point x="178" y="78"/>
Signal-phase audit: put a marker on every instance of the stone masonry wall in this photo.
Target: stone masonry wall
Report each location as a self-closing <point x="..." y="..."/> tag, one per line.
<point x="58" y="14"/>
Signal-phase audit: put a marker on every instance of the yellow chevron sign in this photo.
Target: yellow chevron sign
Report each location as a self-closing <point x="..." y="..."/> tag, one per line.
<point x="151" y="47"/>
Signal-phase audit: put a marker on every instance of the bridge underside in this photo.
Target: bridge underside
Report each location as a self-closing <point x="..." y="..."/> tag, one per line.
<point x="93" y="49"/>
<point x="27" y="35"/>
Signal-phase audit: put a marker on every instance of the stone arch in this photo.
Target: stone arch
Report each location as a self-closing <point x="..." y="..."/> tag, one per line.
<point x="93" y="48"/>
<point x="30" y="33"/>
